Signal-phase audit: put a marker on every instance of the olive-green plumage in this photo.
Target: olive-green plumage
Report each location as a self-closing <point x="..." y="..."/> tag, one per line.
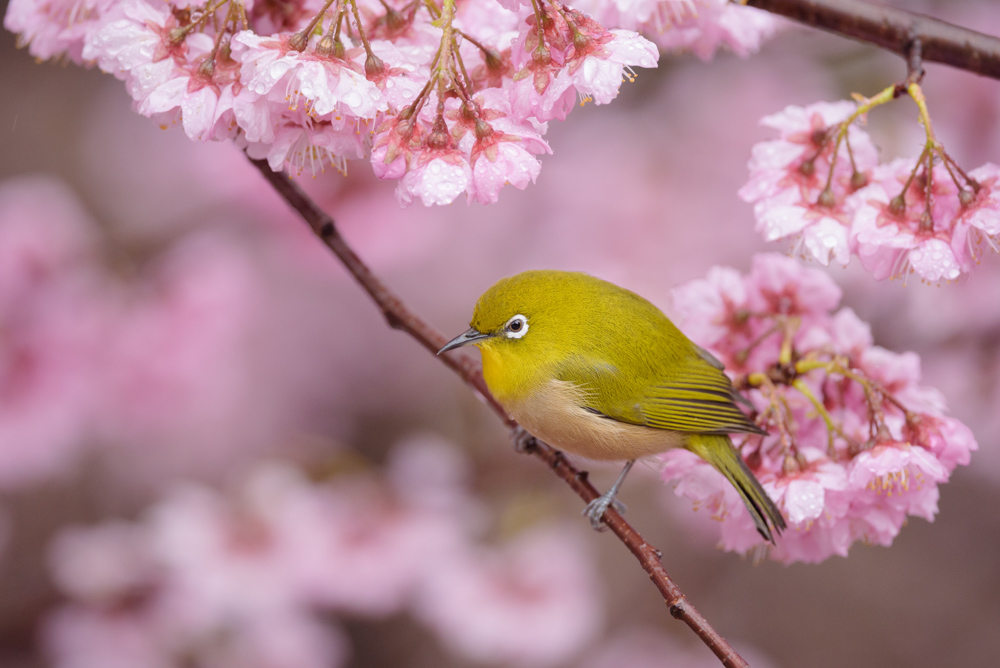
<point x="596" y="370"/>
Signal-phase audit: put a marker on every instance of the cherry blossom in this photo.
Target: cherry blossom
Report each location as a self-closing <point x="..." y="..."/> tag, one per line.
<point x="55" y="29"/>
<point x="789" y="179"/>
<point x="921" y="216"/>
<point x="856" y="444"/>
<point x="303" y="92"/>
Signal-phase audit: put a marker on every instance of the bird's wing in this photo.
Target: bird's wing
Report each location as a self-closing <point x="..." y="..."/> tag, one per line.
<point x="699" y="398"/>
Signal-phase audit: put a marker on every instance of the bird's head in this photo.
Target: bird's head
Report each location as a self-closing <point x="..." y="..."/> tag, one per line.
<point x="527" y="320"/>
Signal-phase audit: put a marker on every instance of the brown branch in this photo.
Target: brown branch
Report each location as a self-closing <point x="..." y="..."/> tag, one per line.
<point x="894" y="29"/>
<point x="399" y="316"/>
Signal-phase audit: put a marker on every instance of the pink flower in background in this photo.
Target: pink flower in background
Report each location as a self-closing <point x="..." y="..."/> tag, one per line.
<point x="252" y="578"/>
<point x="715" y="24"/>
<point x="529" y="603"/>
<point x="875" y="455"/>
<point x="55" y="319"/>
<point x="178" y="377"/>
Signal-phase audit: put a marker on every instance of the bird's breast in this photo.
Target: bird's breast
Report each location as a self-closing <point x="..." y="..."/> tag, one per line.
<point x="555" y="413"/>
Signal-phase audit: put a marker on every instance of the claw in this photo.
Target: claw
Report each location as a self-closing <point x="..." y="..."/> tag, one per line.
<point x="523" y="441"/>
<point x="595" y="510"/>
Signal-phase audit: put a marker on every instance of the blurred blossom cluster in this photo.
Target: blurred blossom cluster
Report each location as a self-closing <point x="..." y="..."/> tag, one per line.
<point x="258" y="577"/>
<point x="156" y="364"/>
<point x="447" y="99"/>
<point x="821" y="185"/>
<point x="856" y="444"/>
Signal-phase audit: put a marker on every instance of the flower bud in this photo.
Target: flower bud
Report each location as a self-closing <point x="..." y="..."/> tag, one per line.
<point x="373" y="66"/>
<point x="206" y="68"/>
<point x="177" y="35"/>
<point x="494" y="61"/>
<point x="438" y="138"/>
<point x="299" y="41"/>
<point x="858" y="180"/>
<point x="826" y="199"/>
<point x="326" y="47"/>
<point x="395" y="21"/>
<point x="897" y="205"/>
<point x="807" y="168"/>
<point x="926" y="222"/>
<point x="483" y="129"/>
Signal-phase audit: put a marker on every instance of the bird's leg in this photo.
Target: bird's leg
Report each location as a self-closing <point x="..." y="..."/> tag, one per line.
<point x="595" y="509"/>
<point x="523" y="441"/>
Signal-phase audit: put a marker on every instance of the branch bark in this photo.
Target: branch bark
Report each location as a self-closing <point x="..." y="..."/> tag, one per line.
<point x="893" y="29"/>
<point x="399" y="316"/>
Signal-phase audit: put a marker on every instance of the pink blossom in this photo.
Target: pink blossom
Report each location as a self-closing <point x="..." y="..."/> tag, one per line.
<point x="855" y="472"/>
<point x="711" y="25"/>
<point x="788" y="180"/>
<point x="310" y="148"/>
<point x="892" y="244"/>
<point x="501" y="151"/>
<point x="278" y="79"/>
<point x="598" y="67"/>
<point x="376" y="552"/>
<point x="983" y="213"/>
<point x="897" y="475"/>
<point x="533" y="600"/>
<point x="97" y="565"/>
<point x="437" y="177"/>
<point x="56" y="320"/>
<point x="56" y="28"/>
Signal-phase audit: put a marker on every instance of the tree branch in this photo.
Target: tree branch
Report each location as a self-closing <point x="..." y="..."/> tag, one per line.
<point x="894" y="29"/>
<point x="399" y="316"/>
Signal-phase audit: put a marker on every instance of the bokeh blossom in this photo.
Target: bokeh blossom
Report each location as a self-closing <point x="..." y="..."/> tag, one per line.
<point x="856" y="444"/>
<point x="252" y="578"/>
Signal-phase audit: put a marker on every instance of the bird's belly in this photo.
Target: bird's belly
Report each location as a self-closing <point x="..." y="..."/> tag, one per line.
<point x="556" y="415"/>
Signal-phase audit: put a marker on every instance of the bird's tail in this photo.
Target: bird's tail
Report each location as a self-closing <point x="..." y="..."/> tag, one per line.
<point x="718" y="451"/>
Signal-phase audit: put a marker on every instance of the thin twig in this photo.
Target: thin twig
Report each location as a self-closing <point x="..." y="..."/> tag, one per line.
<point x="399" y="316"/>
<point x="894" y="29"/>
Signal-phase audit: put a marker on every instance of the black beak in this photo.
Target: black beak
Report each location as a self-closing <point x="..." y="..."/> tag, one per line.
<point x="470" y="336"/>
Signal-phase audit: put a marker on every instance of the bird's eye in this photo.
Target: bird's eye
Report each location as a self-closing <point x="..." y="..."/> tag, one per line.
<point x="516" y="327"/>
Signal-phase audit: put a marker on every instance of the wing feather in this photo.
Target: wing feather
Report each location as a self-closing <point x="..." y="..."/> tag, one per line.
<point x="696" y="398"/>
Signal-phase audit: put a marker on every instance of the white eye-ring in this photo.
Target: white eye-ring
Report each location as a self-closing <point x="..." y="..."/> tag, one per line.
<point x="516" y="327"/>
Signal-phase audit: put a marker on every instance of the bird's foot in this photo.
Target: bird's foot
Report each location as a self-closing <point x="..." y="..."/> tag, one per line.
<point x="523" y="441"/>
<point x="596" y="508"/>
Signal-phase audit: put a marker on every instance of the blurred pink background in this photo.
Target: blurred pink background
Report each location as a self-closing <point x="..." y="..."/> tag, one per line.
<point x="171" y="323"/>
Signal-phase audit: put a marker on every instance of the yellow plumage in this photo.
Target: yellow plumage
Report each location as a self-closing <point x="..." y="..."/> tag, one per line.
<point x="598" y="371"/>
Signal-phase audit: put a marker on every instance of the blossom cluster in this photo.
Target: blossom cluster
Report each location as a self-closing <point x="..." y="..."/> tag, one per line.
<point x="447" y="99"/>
<point x="822" y="186"/>
<point x="855" y="444"/>
<point x="258" y="578"/>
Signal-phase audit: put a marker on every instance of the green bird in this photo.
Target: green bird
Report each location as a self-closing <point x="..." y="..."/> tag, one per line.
<point x="598" y="371"/>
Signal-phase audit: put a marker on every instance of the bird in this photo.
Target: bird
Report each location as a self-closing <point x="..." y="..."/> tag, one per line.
<point x="596" y="370"/>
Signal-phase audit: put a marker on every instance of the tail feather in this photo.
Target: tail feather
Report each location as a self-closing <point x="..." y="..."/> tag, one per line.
<point x="720" y="453"/>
